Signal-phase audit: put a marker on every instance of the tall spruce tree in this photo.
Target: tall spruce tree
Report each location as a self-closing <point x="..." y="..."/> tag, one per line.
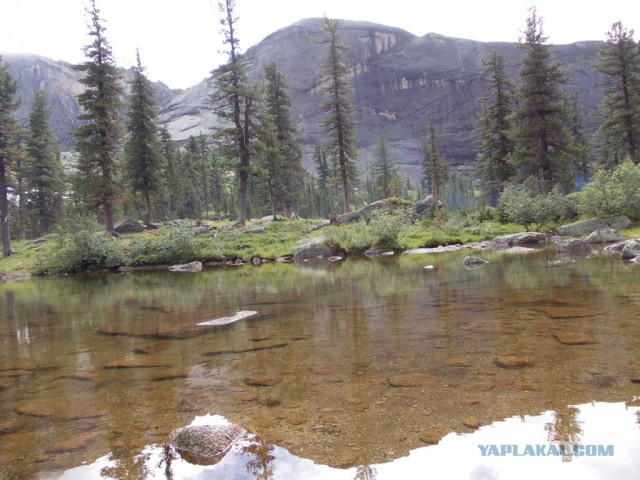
<point x="542" y="124"/>
<point x="43" y="170"/>
<point x="493" y="166"/>
<point x="235" y="103"/>
<point x="143" y="148"/>
<point x="385" y="179"/>
<point x="99" y="137"/>
<point x="619" y="61"/>
<point x="278" y="104"/>
<point x="434" y="168"/>
<point x="8" y="147"/>
<point x="339" y="123"/>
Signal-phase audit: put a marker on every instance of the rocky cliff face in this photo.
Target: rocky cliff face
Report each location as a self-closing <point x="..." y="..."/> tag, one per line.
<point x="401" y="82"/>
<point x="61" y="84"/>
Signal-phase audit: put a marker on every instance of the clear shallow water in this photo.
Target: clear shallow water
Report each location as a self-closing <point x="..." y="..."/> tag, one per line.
<point x="345" y="365"/>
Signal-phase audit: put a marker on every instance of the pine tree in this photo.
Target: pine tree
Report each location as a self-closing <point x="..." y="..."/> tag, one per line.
<point x="235" y="103"/>
<point x="339" y="123"/>
<point x="385" y="178"/>
<point x="493" y="166"/>
<point x="43" y="172"/>
<point x="619" y="60"/>
<point x="543" y="139"/>
<point x="143" y="149"/>
<point x="290" y="174"/>
<point x="190" y="174"/>
<point x="8" y="147"/>
<point x="434" y="168"/>
<point x="99" y="137"/>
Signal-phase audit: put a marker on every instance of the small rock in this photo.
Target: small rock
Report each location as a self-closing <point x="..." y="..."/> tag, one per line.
<point x="510" y="361"/>
<point x="480" y="386"/>
<point x="415" y="380"/>
<point x="458" y="362"/>
<point x="77" y="442"/>
<point x="635" y="379"/>
<point x="473" y="262"/>
<point x="574" y="338"/>
<point x="471" y="423"/>
<point x="432" y="436"/>
<point x="263" y="380"/>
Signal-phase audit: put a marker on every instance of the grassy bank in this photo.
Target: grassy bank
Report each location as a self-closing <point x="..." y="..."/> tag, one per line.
<point x="182" y="241"/>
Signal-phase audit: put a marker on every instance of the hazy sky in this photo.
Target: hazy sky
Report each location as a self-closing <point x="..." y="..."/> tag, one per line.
<point x="179" y="40"/>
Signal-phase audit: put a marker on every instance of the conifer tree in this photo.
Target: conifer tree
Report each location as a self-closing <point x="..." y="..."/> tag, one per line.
<point x="619" y="61"/>
<point x="339" y="123"/>
<point x="143" y="149"/>
<point x="99" y="137"/>
<point x="542" y="125"/>
<point x="385" y="178"/>
<point x="493" y="166"/>
<point x="235" y="103"/>
<point x="43" y="169"/>
<point x="290" y="172"/>
<point x="435" y="170"/>
<point x="8" y="148"/>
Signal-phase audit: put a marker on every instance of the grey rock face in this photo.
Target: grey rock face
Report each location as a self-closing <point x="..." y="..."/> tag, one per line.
<point x="514" y="239"/>
<point x="585" y="227"/>
<point x="365" y="212"/>
<point x="604" y="235"/>
<point x="474" y="262"/>
<point x="631" y="249"/>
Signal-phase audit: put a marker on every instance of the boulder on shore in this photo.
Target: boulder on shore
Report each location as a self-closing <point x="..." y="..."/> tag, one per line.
<point x="585" y="227"/>
<point x="365" y="212"/>
<point x="187" y="267"/>
<point x="514" y="239"/>
<point x="129" y="225"/>
<point x="604" y="235"/>
<point x="314" y="249"/>
<point x="631" y="249"/>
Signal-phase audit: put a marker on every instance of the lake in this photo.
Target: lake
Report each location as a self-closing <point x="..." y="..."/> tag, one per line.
<point x="360" y="369"/>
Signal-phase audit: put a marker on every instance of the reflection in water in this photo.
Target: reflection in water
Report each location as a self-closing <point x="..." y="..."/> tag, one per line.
<point x="357" y="363"/>
<point x="456" y="456"/>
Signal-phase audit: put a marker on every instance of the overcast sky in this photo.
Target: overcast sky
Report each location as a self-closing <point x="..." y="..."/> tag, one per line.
<point x="179" y="40"/>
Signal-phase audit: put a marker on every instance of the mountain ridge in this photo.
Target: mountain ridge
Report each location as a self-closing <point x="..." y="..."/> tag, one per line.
<point x="400" y="80"/>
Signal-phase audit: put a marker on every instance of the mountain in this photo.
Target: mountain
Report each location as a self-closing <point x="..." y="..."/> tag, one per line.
<point x="62" y="84"/>
<point x="401" y="82"/>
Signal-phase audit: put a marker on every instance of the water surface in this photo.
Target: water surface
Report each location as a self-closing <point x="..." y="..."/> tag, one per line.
<point x="347" y="367"/>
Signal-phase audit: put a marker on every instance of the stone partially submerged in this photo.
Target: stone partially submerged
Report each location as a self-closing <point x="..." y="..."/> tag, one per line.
<point x="227" y="320"/>
<point x="473" y="262"/>
<point x="187" y="267"/>
<point x="205" y="444"/>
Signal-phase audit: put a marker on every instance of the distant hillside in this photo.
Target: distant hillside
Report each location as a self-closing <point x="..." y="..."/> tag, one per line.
<point x="401" y="82"/>
<point x="61" y="84"/>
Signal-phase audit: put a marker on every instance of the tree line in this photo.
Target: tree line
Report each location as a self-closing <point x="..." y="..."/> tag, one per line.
<point x="127" y="163"/>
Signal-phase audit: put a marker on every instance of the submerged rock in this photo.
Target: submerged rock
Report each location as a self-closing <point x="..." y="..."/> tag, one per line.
<point x="227" y="320"/>
<point x="473" y="262"/>
<point x="415" y="380"/>
<point x="263" y="380"/>
<point x="316" y="248"/>
<point x="511" y="361"/>
<point x="631" y="249"/>
<point x="205" y="444"/>
<point x="574" y="338"/>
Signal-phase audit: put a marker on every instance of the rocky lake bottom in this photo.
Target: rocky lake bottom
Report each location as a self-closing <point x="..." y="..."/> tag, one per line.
<point x="352" y="367"/>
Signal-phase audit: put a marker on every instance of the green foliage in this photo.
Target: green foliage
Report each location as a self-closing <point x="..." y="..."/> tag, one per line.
<point x="543" y="139"/>
<point x="520" y="204"/>
<point x="384" y="171"/>
<point x="619" y="61"/>
<point x="143" y="149"/>
<point x="44" y="184"/>
<point x="493" y="166"/>
<point x="383" y="230"/>
<point x="612" y="192"/>
<point x="339" y="123"/>
<point x="174" y="243"/>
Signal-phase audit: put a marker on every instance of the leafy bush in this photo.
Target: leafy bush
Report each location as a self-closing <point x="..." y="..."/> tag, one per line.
<point x="383" y="230"/>
<point x="172" y="244"/>
<point x="519" y="204"/>
<point x="612" y="192"/>
<point x="83" y="250"/>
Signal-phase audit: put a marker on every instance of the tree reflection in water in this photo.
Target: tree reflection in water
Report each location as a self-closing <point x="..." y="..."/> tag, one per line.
<point x="261" y="462"/>
<point x="565" y="431"/>
<point x="365" y="472"/>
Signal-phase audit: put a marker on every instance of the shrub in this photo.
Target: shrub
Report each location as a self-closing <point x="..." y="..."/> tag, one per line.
<point x="172" y="244"/>
<point x="519" y="204"/>
<point x="612" y="192"/>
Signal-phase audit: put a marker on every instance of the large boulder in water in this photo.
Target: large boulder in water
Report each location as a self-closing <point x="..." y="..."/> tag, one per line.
<point x="205" y="444"/>
<point x="526" y="238"/>
<point x="315" y="248"/>
<point x="631" y="249"/>
<point x="604" y="235"/>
